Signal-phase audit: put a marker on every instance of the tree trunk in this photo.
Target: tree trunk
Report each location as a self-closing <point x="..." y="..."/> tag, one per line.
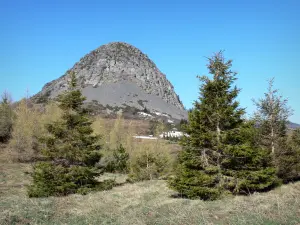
<point x="272" y="143"/>
<point x="218" y="132"/>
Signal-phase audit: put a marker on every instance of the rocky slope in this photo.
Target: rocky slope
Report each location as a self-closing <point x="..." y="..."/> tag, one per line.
<point x="118" y="75"/>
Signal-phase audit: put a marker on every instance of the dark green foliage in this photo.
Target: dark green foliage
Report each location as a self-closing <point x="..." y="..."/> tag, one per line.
<point x="180" y="126"/>
<point x="43" y="99"/>
<point x="246" y="162"/>
<point x="220" y="154"/>
<point x="288" y="159"/>
<point x="6" y="118"/>
<point x="193" y="179"/>
<point x="121" y="158"/>
<point x="55" y="179"/>
<point x="71" y="150"/>
<point x="117" y="162"/>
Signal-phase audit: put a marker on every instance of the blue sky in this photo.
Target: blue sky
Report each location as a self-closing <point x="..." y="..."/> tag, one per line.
<point x="41" y="40"/>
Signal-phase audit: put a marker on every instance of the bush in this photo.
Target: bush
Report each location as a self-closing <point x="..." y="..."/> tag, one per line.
<point x="149" y="163"/>
<point x="117" y="161"/>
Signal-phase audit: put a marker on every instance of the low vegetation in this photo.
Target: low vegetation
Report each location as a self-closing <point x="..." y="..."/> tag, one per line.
<point x="147" y="202"/>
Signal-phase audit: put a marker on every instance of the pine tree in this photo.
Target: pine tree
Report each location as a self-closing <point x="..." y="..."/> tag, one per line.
<point x="6" y="118"/>
<point x="71" y="150"/>
<point x="218" y="153"/>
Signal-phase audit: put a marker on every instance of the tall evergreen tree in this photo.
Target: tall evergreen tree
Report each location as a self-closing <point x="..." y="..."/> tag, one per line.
<point x="71" y="150"/>
<point x="219" y="154"/>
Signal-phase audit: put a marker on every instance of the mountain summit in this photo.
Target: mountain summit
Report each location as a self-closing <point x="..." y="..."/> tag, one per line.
<point x="120" y="75"/>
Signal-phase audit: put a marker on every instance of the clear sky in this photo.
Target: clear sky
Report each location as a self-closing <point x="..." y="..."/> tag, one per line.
<point x="41" y="39"/>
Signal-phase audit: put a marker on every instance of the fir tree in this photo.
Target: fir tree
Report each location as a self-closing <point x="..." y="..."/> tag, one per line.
<point x="218" y="153"/>
<point x="71" y="150"/>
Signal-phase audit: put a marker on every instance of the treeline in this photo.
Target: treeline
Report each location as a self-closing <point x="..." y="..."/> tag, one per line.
<point x="222" y="153"/>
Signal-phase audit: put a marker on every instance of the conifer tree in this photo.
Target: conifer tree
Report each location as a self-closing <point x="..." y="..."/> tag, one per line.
<point x="6" y="118"/>
<point x="71" y="150"/>
<point x="219" y="153"/>
<point x="272" y="117"/>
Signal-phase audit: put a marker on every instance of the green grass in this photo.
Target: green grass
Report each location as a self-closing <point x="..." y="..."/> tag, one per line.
<point x="141" y="203"/>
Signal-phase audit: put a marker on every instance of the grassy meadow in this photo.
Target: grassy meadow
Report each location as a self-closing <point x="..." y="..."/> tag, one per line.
<point x="148" y="202"/>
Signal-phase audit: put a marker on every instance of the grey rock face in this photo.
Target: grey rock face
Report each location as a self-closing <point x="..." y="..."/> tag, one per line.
<point x="120" y="74"/>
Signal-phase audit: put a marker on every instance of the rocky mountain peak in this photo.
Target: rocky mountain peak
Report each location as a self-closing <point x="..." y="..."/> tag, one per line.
<point x="119" y="74"/>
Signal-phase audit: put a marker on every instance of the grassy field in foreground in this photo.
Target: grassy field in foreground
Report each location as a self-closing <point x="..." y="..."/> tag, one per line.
<point x="141" y="203"/>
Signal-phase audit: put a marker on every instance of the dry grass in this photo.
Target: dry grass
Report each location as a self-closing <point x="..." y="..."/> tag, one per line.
<point x="141" y="203"/>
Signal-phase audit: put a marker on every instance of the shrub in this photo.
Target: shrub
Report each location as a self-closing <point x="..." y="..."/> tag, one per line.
<point x="150" y="161"/>
<point x="117" y="161"/>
